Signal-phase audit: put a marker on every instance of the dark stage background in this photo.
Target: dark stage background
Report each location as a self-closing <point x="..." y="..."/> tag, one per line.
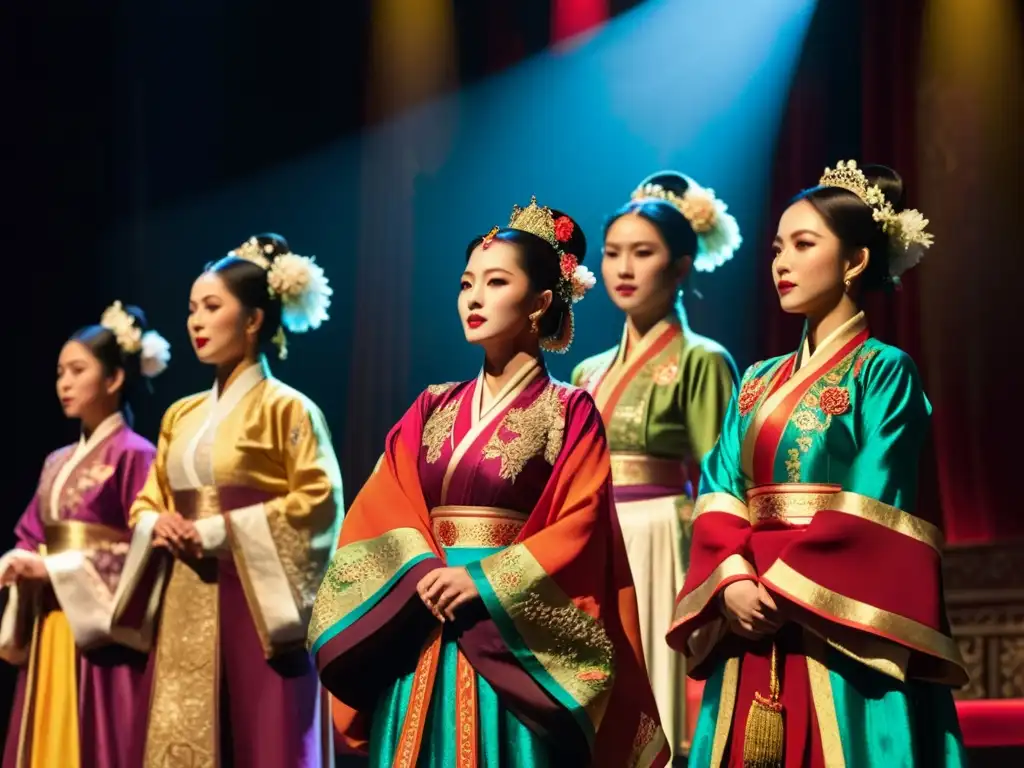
<point x="145" y="139"/>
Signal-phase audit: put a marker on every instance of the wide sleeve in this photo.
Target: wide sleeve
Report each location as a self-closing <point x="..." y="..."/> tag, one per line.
<point x="708" y="386"/>
<point x="367" y="619"/>
<point x="838" y="577"/>
<point x="564" y="606"/>
<point x="145" y="570"/>
<point x="19" y="600"/>
<point x="720" y="545"/>
<point x="84" y="577"/>
<point x="282" y="547"/>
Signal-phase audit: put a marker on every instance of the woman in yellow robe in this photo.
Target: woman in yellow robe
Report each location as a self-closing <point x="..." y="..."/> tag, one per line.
<point x="245" y="493"/>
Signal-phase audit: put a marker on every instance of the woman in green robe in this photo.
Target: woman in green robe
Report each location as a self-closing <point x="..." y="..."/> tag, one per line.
<point x="662" y="392"/>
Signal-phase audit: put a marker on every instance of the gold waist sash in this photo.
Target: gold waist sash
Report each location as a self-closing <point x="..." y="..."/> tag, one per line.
<point x="791" y="503"/>
<point x="455" y="526"/>
<point x="74" y="535"/>
<point x="638" y="469"/>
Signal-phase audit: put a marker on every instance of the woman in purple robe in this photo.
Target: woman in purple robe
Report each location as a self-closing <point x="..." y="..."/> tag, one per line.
<point x="81" y="685"/>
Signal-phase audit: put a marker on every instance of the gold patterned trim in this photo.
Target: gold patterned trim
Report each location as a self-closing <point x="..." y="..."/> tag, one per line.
<point x="647" y="743"/>
<point x="893" y="518"/>
<point x="74" y="535"/>
<point x="792" y="503"/>
<point x="184" y="703"/>
<point x="481" y="419"/>
<point x="358" y="571"/>
<point x="853" y="613"/>
<point x="726" y="705"/>
<point x="720" y="502"/>
<point x="638" y="469"/>
<point x="454" y="526"/>
<point x="570" y="644"/>
<point x="419" y="702"/>
<point x="695" y="601"/>
<point x="466" y="713"/>
<point x="825" y="351"/>
<point x="824" y="704"/>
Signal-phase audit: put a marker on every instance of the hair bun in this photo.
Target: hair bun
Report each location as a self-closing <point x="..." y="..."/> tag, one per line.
<point x="889" y="181"/>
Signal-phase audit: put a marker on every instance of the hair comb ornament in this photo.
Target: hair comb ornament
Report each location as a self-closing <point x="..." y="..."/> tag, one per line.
<point x="575" y="280"/>
<point x="298" y="281"/>
<point x="718" y="234"/>
<point x="906" y="230"/>
<point x="153" y="349"/>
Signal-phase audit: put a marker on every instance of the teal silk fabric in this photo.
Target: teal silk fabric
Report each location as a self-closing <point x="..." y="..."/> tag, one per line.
<point x="504" y="741"/>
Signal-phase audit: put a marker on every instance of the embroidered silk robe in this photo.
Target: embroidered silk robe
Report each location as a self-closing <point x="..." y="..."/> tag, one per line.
<point x="254" y="468"/>
<point x="82" y="685"/>
<point x="546" y="667"/>
<point x="811" y="492"/>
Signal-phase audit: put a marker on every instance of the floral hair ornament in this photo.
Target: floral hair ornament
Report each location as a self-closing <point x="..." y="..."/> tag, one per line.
<point x="298" y="281"/>
<point x="153" y="349"/>
<point x="574" y="279"/>
<point x="906" y="229"/>
<point x="718" y="234"/>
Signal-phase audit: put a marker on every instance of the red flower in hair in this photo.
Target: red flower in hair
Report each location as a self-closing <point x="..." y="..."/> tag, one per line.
<point x="568" y="265"/>
<point x="564" y="228"/>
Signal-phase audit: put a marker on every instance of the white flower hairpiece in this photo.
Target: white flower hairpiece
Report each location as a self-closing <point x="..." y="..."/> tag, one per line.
<point x="154" y="350"/>
<point x="906" y="230"/>
<point x="128" y="335"/>
<point x="304" y="291"/>
<point x="298" y="281"/>
<point x="718" y="234"/>
<point x="156" y="353"/>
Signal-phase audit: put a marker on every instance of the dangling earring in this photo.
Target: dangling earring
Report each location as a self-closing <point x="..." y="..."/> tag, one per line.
<point x="849" y="284"/>
<point x="535" y="323"/>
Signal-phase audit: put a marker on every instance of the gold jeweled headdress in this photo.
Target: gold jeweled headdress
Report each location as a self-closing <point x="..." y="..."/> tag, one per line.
<point x="906" y="229"/>
<point x="575" y="279"/>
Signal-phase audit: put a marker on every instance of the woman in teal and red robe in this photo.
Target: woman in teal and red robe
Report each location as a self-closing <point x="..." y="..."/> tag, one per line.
<point x="813" y="605"/>
<point x="480" y="610"/>
<point x="662" y="392"/>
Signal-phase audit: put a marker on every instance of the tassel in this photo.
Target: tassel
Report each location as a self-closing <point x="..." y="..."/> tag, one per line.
<point x="764" y="735"/>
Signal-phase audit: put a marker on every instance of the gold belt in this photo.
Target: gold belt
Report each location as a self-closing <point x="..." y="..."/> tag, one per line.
<point x="455" y="526"/>
<point x="792" y="503"/>
<point x="74" y="535"/>
<point x="638" y="469"/>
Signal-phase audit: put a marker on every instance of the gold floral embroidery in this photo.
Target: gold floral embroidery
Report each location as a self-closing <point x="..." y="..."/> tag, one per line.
<point x="569" y="643"/>
<point x="825" y="399"/>
<point x="86" y="478"/>
<point x="538" y="428"/>
<point x="302" y="562"/>
<point x="358" y="571"/>
<point x="666" y="373"/>
<point x="184" y="698"/>
<point x="793" y="465"/>
<point x="438" y="429"/>
<point x="457" y="532"/>
<point x="440" y="389"/>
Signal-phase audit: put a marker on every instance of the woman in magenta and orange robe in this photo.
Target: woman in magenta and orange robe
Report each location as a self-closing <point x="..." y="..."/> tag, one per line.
<point x="545" y="666"/>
